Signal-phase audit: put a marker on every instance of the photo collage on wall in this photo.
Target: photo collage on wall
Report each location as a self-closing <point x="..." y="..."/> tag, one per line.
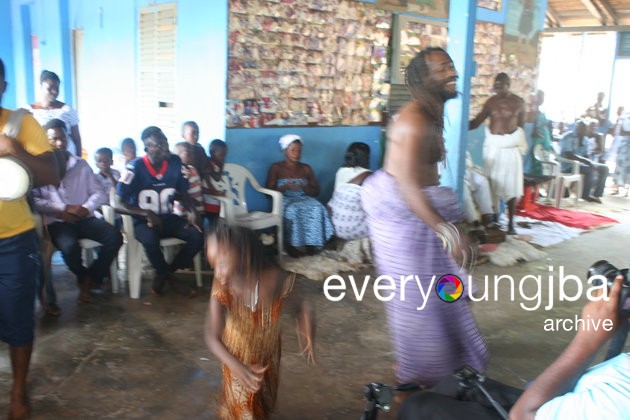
<point x="285" y="68"/>
<point x="416" y="35"/>
<point x="492" y="61"/>
<point x="432" y="8"/>
<point x="488" y="58"/>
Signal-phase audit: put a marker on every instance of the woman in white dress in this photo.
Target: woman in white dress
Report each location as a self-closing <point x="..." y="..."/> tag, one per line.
<point x="345" y="206"/>
<point x="49" y="108"/>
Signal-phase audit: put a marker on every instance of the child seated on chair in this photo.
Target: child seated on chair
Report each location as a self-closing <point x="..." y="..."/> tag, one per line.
<point x="198" y="157"/>
<point x="213" y="173"/>
<point x="184" y="151"/>
<point x="147" y="190"/>
<point x="107" y="176"/>
<point x="128" y="153"/>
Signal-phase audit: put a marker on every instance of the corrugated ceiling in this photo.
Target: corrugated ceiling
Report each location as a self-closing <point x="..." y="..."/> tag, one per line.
<point x="587" y="13"/>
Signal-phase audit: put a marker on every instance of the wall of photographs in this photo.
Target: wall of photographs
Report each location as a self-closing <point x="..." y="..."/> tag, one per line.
<point x="411" y="36"/>
<point x="491" y="61"/>
<point x="325" y="62"/>
<point x="307" y="62"/>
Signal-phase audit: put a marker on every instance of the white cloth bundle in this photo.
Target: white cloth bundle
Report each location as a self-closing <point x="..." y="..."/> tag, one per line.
<point x="503" y="163"/>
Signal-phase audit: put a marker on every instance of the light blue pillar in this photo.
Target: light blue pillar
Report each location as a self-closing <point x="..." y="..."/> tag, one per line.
<point x="461" y="36"/>
<point x="25" y="15"/>
<point x="66" y="53"/>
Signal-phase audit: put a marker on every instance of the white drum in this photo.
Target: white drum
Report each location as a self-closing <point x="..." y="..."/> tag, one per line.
<point x="15" y="179"/>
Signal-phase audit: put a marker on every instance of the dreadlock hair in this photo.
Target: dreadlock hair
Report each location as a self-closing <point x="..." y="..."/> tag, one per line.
<point x="244" y="243"/>
<point x="416" y="74"/>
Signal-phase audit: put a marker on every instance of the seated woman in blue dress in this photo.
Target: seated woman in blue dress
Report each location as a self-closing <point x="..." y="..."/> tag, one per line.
<point x="306" y="221"/>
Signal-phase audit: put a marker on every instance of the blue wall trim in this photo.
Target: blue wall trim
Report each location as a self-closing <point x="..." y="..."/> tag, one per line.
<point x="25" y="15"/>
<point x="487" y="15"/>
<point x="461" y="34"/>
<point x="66" y="52"/>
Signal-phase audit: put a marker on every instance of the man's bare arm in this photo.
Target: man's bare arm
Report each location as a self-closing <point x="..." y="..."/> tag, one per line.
<point x="521" y="114"/>
<point x="562" y="375"/>
<point x="481" y="117"/>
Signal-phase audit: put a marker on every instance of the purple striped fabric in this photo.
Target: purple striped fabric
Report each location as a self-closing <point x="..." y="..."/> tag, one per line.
<point x="432" y="342"/>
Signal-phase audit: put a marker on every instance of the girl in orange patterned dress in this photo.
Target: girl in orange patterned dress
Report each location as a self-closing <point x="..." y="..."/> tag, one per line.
<point x="243" y="321"/>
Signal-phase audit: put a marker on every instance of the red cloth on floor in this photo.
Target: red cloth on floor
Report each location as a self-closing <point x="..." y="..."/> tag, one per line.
<point x="571" y="218"/>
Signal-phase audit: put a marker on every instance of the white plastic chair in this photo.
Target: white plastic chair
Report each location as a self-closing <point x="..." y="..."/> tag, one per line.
<point x="562" y="180"/>
<point x="234" y="204"/>
<point x="87" y="246"/>
<point x="135" y="254"/>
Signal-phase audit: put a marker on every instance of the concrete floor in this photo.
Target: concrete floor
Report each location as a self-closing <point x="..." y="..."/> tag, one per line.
<point x="132" y="359"/>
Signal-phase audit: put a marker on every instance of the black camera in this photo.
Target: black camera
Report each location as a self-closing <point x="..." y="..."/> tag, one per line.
<point x="610" y="272"/>
<point x="380" y="397"/>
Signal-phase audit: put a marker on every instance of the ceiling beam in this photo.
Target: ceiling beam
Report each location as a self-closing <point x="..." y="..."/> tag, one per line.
<point x="580" y="29"/>
<point x="605" y="9"/>
<point x="553" y="18"/>
<point x="593" y="10"/>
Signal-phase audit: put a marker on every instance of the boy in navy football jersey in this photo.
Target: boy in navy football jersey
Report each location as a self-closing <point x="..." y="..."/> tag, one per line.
<point x="147" y="190"/>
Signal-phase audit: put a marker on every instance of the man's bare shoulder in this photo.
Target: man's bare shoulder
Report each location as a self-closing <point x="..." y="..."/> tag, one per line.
<point x="517" y="99"/>
<point x="412" y="112"/>
<point x="410" y="121"/>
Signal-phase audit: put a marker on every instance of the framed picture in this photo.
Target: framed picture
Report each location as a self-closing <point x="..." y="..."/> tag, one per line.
<point x="523" y="23"/>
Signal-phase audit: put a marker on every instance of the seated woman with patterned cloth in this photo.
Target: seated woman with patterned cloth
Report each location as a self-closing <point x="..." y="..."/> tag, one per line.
<point x="306" y="221"/>
<point x="346" y="210"/>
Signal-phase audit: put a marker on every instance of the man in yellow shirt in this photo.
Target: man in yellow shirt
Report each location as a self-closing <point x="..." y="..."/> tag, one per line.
<point x="19" y="259"/>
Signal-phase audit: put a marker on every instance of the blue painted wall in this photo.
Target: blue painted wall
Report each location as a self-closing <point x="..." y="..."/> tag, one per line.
<point x="108" y="107"/>
<point x="110" y="45"/>
<point x="487" y="15"/>
<point x="324" y="149"/>
<point x="6" y="53"/>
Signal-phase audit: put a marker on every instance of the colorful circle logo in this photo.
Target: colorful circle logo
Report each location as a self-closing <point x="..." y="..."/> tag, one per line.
<point x="449" y="288"/>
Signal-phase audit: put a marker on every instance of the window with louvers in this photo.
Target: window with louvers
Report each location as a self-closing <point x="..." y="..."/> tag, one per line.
<point x="398" y="96"/>
<point x="157" y="47"/>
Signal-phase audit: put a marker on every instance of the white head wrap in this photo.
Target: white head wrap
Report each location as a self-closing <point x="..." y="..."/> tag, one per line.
<point x="287" y="139"/>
